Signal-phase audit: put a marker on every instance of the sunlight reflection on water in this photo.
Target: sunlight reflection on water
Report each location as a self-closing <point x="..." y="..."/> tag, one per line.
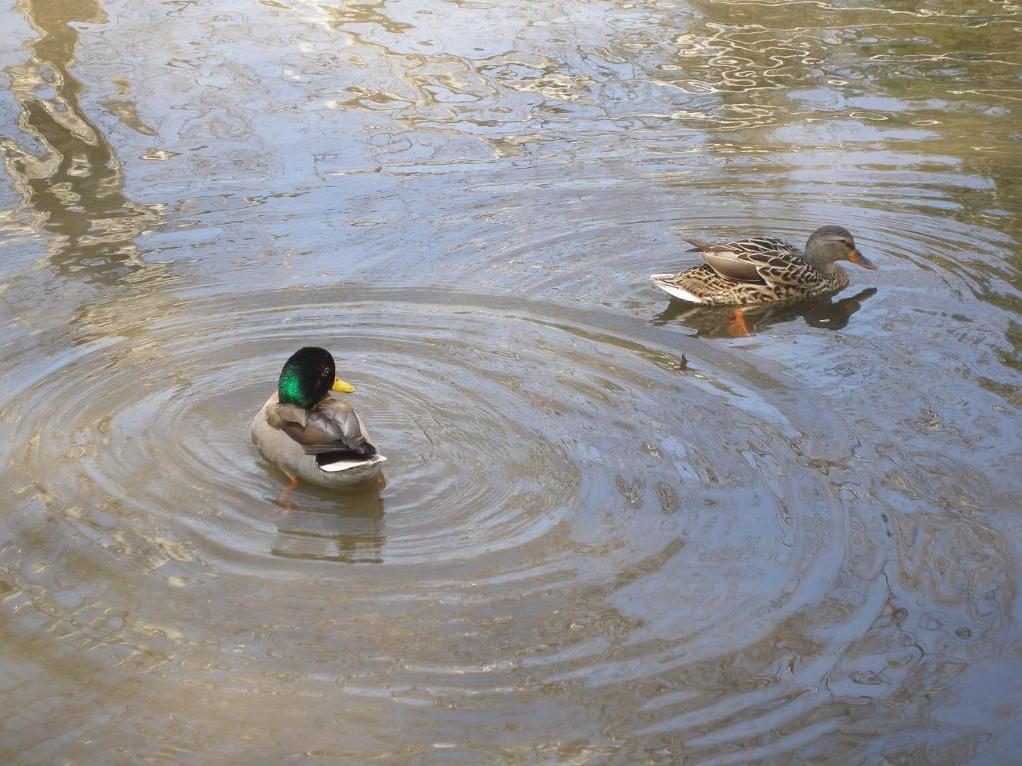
<point x="611" y="532"/>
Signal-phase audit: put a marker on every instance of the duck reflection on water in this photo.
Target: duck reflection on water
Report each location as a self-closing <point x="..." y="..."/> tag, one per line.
<point x="351" y="532"/>
<point x="719" y="321"/>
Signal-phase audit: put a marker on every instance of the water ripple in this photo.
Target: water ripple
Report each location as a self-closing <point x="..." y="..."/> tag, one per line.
<point x="539" y="456"/>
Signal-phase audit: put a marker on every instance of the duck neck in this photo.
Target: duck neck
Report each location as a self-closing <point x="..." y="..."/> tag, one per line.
<point x="819" y="261"/>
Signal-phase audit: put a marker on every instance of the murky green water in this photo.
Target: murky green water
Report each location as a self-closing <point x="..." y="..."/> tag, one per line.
<point x="611" y="532"/>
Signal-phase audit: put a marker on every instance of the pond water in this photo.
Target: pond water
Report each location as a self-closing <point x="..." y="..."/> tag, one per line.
<point x="613" y="530"/>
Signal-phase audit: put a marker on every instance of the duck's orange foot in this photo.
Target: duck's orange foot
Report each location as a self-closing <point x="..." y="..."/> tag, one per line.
<point x="283" y="499"/>
<point x="737" y="328"/>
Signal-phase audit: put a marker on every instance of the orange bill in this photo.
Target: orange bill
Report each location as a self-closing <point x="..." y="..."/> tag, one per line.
<point x="856" y="257"/>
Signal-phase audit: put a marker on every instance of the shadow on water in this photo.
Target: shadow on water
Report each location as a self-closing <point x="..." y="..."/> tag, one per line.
<point x="352" y="533"/>
<point x="76" y="183"/>
<point x="718" y="321"/>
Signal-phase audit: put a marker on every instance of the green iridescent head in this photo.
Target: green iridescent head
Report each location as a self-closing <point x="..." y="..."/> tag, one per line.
<point x="307" y="376"/>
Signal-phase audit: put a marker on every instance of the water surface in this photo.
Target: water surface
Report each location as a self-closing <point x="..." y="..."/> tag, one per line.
<point x="612" y="531"/>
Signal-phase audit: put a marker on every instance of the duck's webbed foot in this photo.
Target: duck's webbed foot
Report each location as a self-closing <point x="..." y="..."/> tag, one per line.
<point x="283" y="499"/>
<point x="737" y="328"/>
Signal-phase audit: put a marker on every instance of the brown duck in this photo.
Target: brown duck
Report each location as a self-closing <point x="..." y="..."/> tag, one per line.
<point x="765" y="269"/>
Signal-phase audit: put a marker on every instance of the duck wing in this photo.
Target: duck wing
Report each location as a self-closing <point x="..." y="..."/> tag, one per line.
<point x="330" y="427"/>
<point x="762" y="260"/>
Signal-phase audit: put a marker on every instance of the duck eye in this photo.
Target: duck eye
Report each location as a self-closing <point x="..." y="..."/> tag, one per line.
<point x="324" y="372"/>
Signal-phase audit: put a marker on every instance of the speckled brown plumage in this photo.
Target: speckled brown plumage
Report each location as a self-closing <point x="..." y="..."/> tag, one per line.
<point x="765" y="269"/>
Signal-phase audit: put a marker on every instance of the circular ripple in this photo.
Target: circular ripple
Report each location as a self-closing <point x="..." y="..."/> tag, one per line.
<point x="570" y="495"/>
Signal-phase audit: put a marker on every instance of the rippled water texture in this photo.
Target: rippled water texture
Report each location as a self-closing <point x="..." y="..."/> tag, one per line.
<point x="613" y="530"/>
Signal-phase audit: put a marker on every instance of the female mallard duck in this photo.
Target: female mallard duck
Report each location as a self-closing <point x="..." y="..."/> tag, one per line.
<point x="310" y="435"/>
<point x="765" y="269"/>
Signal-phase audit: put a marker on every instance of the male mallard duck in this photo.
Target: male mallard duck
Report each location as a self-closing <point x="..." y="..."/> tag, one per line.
<point x="765" y="269"/>
<point x="307" y="433"/>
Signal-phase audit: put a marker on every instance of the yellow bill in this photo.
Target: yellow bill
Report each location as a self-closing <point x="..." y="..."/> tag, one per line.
<point x="342" y="386"/>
